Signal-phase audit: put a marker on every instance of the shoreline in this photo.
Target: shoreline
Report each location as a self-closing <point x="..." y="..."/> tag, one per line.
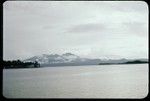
<point x="79" y="65"/>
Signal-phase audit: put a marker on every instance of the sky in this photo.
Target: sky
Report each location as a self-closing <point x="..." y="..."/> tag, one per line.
<point x="92" y="29"/>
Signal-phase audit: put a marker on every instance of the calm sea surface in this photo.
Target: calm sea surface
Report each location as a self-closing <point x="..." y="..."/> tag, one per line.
<point x="99" y="81"/>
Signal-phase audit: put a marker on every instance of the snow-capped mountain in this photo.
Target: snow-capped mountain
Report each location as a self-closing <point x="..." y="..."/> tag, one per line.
<point x="69" y="59"/>
<point x="55" y="58"/>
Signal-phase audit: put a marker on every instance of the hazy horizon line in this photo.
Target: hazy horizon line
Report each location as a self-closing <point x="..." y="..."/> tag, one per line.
<point x="102" y="58"/>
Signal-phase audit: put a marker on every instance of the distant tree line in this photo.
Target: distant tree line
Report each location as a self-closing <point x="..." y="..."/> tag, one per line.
<point x="128" y="62"/>
<point x="136" y="62"/>
<point x="20" y="64"/>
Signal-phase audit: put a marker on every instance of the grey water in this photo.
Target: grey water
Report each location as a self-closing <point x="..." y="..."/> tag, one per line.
<point x="97" y="81"/>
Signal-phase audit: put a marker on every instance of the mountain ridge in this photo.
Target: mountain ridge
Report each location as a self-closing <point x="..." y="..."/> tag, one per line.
<point x="71" y="59"/>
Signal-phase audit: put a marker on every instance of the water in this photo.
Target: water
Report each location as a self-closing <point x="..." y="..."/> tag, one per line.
<point x="100" y="81"/>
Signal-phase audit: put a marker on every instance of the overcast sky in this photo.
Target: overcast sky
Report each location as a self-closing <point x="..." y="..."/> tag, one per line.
<point x="93" y="29"/>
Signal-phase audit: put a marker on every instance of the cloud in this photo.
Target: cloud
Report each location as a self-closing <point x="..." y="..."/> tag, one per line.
<point x="90" y="27"/>
<point x="137" y="28"/>
<point x="86" y="28"/>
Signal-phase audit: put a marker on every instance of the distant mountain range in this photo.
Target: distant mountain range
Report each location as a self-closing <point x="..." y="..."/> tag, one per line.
<point x="69" y="59"/>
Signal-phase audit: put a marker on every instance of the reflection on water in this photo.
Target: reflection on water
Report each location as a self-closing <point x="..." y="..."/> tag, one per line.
<point x="101" y="81"/>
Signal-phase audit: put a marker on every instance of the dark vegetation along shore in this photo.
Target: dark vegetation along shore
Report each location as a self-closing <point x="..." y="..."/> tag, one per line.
<point x="128" y="62"/>
<point x="19" y="64"/>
